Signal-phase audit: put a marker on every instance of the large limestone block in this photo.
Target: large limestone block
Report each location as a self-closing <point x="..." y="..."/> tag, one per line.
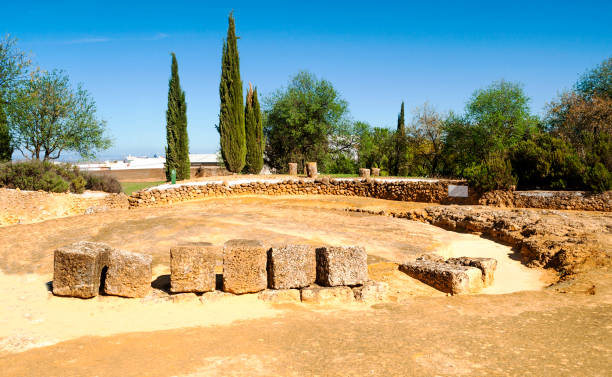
<point x="77" y="269"/>
<point x="449" y="278"/>
<point x="375" y="172"/>
<point x="487" y="267"/>
<point x="327" y="295"/>
<point x="364" y="173"/>
<point x="371" y="292"/>
<point x="293" y="168"/>
<point x="341" y="265"/>
<point x="311" y="169"/>
<point x="291" y="266"/>
<point x="192" y="269"/>
<point x="280" y="296"/>
<point x="244" y="266"/>
<point x="128" y="274"/>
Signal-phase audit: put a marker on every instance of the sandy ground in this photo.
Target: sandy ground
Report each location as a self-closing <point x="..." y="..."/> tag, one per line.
<point x="507" y="331"/>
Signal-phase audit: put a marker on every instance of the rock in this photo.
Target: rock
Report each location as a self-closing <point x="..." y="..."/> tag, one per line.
<point x="291" y="266"/>
<point x="244" y="266"/>
<point x="214" y="296"/>
<point x="77" y="269"/>
<point x="327" y="295"/>
<point x="293" y="168"/>
<point x="341" y="265"/>
<point x="448" y="278"/>
<point x="128" y="274"/>
<point x="192" y="269"/>
<point x="280" y="296"/>
<point x="487" y="267"/>
<point x="375" y="172"/>
<point x="371" y="291"/>
<point x="184" y="297"/>
<point x="431" y="257"/>
<point x="364" y="173"/>
<point x="311" y="169"/>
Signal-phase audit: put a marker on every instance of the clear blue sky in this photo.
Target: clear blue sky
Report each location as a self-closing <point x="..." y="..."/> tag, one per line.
<point x="376" y="54"/>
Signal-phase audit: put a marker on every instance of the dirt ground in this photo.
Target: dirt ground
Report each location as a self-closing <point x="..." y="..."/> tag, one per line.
<point x="521" y="325"/>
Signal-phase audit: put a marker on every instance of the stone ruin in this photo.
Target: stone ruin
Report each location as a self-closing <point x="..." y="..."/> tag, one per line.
<point x="328" y="274"/>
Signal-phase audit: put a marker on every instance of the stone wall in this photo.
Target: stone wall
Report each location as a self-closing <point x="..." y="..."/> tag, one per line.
<point x="157" y="174"/>
<point x="430" y="191"/>
<point x="572" y="200"/>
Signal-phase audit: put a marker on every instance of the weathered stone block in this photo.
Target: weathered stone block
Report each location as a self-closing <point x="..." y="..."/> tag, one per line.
<point x="77" y="269"/>
<point x="364" y="173"/>
<point x="192" y="269"/>
<point x="280" y="296"/>
<point x="371" y="291"/>
<point x="341" y="265"/>
<point x="311" y="169"/>
<point x="291" y="266"/>
<point x="327" y="295"/>
<point x="487" y="267"/>
<point x="375" y="172"/>
<point x="244" y="266"/>
<point x="293" y="168"/>
<point x="215" y="296"/>
<point x="449" y="278"/>
<point x="128" y="274"/>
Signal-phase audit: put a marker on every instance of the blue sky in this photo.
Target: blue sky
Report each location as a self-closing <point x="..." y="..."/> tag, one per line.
<point x="376" y="54"/>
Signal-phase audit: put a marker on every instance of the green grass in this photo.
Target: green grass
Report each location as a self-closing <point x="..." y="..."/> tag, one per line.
<point x="131" y="187"/>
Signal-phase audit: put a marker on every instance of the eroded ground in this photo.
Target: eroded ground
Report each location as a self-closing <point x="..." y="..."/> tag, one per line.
<point x="536" y="331"/>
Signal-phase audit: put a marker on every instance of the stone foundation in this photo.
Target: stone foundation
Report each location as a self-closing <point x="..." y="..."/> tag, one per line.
<point x="445" y="277"/>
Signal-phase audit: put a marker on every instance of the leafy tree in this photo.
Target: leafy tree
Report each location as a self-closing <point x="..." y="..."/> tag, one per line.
<point x="426" y="140"/>
<point x="177" y="140"/>
<point x="494" y="173"/>
<point x="255" y="141"/>
<point x="304" y="122"/>
<point x="231" y="115"/>
<point x="6" y="146"/>
<point x="596" y="82"/>
<point x="376" y="147"/>
<point x="49" y="117"/>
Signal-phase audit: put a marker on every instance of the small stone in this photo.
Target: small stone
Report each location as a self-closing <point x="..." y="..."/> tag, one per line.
<point x="371" y="291"/>
<point x="448" y="278"/>
<point x="128" y="275"/>
<point x="77" y="269"/>
<point x="341" y="265"/>
<point x="244" y="266"/>
<point x="487" y="266"/>
<point x="192" y="268"/>
<point x="280" y="296"/>
<point x="327" y="295"/>
<point x="291" y="266"/>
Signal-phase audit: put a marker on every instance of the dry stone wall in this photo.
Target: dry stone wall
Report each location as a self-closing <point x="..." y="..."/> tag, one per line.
<point x="572" y="200"/>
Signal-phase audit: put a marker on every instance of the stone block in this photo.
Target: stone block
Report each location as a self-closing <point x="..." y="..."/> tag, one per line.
<point x="375" y="172"/>
<point x="293" y="168"/>
<point x="311" y="169"/>
<point x="487" y="267"/>
<point x="214" y="296"/>
<point x="192" y="269"/>
<point x="364" y="173"/>
<point x="280" y="296"/>
<point x="327" y="295"/>
<point x="448" y="278"/>
<point x="128" y="274"/>
<point x="341" y="265"/>
<point x="244" y="266"/>
<point x="291" y="266"/>
<point x="77" y="269"/>
<point x="371" y="292"/>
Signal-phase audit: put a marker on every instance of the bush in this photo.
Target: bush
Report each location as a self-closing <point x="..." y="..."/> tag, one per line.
<point x="102" y="183"/>
<point x="47" y="176"/>
<point x="598" y="178"/>
<point x="495" y="173"/>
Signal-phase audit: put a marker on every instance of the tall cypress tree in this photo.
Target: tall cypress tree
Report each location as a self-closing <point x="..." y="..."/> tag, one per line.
<point x="254" y="133"/>
<point x="401" y="145"/>
<point x="231" y="115"/>
<point x="177" y="148"/>
<point x="6" y="147"/>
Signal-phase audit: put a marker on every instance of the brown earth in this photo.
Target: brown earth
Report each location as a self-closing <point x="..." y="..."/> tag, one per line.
<point x="560" y="330"/>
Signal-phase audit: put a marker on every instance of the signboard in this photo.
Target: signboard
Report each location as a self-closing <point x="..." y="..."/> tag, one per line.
<point x="455" y="191"/>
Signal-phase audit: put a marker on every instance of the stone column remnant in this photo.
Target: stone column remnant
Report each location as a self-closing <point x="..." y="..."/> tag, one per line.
<point x="244" y="266"/>
<point x="311" y="169"/>
<point x="291" y="266"/>
<point x="293" y="168"/>
<point x="192" y="269"/>
<point x="364" y="173"/>
<point x="375" y="172"/>
<point x="341" y="265"/>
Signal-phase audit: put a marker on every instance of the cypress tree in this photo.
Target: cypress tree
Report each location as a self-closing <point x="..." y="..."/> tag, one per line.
<point x="6" y="148"/>
<point x="177" y="148"/>
<point x="254" y="133"/>
<point x="400" y="144"/>
<point x="231" y="115"/>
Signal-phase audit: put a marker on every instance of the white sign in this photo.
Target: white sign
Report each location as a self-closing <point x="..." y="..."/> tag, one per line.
<point x="457" y="191"/>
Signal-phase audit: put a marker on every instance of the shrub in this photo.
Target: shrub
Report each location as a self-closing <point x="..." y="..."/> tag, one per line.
<point x="598" y="178"/>
<point x="102" y="183"/>
<point x="494" y="173"/>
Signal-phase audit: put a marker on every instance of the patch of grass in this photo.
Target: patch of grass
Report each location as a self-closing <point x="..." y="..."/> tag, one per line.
<point x="131" y="187"/>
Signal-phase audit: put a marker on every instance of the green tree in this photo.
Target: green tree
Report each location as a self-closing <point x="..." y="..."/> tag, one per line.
<point x="48" y="116"/>
<point x="6" y="146"/>
<point x="596" y="82"/>
<point x="401" y="145"/>
<point x="255" y="141"/>
<point x="304" y="122"/>
<point x="177" y="141"/>
<point x="231" y="116"/>
<point x="426" y="141"/>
